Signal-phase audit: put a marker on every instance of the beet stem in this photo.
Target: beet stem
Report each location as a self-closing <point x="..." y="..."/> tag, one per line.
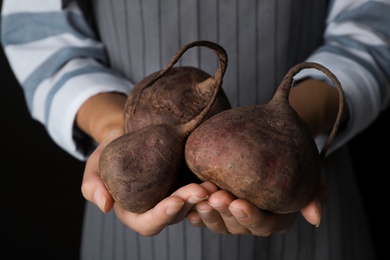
<point x="218" y="76"/>
<point x="222" y="63"/>
<point x="285" y="87"/>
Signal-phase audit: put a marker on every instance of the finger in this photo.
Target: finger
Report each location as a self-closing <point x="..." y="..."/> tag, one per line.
<point x="194" y="219"/>
<point x="192" y="194"/>
<point x="211" y="218"/>
<point x="92" y="187"/>
<point x="193" y="216"/>
<point x="210" y="187"/>
<point x="154" y="220"/>
<point x="312" y="212"/>
<point x="220" y="201"/>
<point x="259" y="222"/>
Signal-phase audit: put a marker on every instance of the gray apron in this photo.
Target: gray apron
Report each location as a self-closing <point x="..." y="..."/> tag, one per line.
<point x="263" y="40"/>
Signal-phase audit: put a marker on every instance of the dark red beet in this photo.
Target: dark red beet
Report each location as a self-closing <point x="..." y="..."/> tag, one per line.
<point x="263" y="153"/>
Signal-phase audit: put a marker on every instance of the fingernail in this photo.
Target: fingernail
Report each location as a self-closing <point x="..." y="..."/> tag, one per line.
<point x="238" y="213"/>
<point x="173" y="208"/>
<point x="100" y="200"/>
<point x="218" y="206"/>
<point x="195" y="199"/>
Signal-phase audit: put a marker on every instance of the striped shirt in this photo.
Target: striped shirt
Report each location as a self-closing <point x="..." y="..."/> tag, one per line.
<point x="60" y="62"/>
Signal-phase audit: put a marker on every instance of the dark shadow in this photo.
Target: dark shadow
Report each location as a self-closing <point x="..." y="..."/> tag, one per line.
<point x="42" y="205"/>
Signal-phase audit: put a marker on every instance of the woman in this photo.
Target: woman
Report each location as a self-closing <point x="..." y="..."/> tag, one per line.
<point x="76" y="81"/>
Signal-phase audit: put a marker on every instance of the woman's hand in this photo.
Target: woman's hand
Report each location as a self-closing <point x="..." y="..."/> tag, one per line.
<point x="171" y="210"/>
<point x="318" y="104"/>
<point x="224" y="213"/>
<point x="101" y="117"/>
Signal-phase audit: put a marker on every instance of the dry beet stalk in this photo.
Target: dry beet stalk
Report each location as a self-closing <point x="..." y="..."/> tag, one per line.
<point x="262" y="153"/>
<point x="286" y="84"/>
<point x="175" y="94"/>
<point x="141" y="167"/>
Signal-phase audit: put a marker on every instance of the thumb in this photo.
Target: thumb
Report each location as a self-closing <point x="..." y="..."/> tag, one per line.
<point x="312" y="212"/>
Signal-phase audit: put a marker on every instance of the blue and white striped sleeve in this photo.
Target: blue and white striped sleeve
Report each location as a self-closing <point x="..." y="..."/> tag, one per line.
<point x="357" y="51"/>
<point x="59" y="63"/>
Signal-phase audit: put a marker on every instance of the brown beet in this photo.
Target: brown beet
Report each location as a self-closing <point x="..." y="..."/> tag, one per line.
<point x="141" y="167"/>
<point x="178" y="96"/>
<point x="262" y="153"/>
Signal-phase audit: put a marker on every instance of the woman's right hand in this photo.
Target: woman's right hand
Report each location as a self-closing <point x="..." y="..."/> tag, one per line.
<point x="170" y="210"/>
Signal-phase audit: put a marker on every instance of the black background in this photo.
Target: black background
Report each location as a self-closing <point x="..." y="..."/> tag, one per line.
<point x="41" y="201"/>
<point x="42" y="204"/>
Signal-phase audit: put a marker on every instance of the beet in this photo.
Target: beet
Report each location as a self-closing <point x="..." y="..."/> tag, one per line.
<point x="141" y="167"/>
<point x="178" y="96"/>
<point x="262" y="153"/>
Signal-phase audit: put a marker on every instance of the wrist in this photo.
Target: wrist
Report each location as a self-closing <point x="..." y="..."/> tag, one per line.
<point x="317" y="103"/>
<point x="100" y="114"/>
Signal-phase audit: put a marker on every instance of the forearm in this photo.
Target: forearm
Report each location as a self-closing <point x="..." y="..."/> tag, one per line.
<point x="100" y="113"/>
<point x="318" y="104"/>
<point x="357" y="60"/>
<point x="59" y="65"/>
